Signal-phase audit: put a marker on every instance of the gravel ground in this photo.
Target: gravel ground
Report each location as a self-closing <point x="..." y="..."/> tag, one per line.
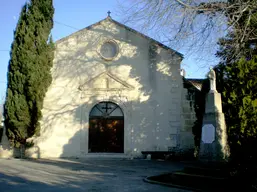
<point x="54" y="175"/>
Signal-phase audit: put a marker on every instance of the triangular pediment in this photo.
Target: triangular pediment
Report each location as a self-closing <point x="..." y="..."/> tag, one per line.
<point x="105" y="82"/>
<point x="109" y="19"/>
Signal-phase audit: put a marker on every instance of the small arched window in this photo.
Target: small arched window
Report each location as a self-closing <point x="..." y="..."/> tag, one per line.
<point x="106" y="110"/>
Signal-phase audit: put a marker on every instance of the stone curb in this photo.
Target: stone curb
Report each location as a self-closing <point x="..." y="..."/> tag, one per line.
<point x="148" y="180"/>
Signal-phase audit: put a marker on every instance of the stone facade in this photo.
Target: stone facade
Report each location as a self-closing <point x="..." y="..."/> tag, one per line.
<point x="143" y="79"/>
<point x="191" y="88"/>
<point x="188" y="119"/>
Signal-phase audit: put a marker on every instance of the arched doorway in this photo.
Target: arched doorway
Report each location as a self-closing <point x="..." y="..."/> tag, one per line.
<point x="106" y="128"/>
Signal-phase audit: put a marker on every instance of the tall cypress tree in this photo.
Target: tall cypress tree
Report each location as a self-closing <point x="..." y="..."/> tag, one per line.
<point x="29" y="71"/>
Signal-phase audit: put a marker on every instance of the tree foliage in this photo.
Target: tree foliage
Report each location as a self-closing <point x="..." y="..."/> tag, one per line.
<point x="237" y="81"/>
<point x="29" y="71"/>
<point x="239" y="93"/>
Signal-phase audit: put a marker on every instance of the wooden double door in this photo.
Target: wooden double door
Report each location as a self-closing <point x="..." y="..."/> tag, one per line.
<point x="106" y="131"/>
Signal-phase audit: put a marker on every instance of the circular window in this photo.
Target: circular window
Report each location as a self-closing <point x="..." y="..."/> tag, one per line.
<point x="109" y="50"/>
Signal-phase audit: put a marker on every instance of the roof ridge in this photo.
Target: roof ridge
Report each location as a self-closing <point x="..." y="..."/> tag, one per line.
<point x="147" y="37"/>
<point x="76" y="32"/>
<point x="126" y="27"/>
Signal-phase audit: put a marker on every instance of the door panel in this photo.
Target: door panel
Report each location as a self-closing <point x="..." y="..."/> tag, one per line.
<point x="106" y="135"/>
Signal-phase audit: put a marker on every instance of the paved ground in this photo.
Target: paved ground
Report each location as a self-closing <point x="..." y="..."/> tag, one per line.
<point x="82" y="175"/>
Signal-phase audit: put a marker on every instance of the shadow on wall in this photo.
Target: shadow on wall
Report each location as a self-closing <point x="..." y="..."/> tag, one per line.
<point x="76" y="67"/>
<point x="72" y="148"/>
<point x="143" y="134"/>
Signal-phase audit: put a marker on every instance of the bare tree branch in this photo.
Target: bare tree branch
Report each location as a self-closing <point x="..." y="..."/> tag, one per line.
<point x="192" y="25"/>
<point x="204" y="7"/>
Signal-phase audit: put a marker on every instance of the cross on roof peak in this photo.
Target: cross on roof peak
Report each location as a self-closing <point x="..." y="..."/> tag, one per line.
<point x="109" y="13"/>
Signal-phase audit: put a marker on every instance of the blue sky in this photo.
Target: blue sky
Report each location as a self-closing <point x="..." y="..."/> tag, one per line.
<point x="69" y="17"/>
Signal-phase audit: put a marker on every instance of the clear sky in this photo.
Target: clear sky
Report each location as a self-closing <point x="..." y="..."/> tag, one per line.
<point x="70" y="16"/>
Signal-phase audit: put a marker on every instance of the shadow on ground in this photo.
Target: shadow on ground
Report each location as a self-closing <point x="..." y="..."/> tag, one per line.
<point x="15" y="183"/>
<point x="82" y="175"/>
<point x="92" y="164"/>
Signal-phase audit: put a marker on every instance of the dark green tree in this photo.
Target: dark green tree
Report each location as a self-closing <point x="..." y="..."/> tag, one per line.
<point x="29" y="73"/>
<point x="237" y="81"/>
<point x="238" y="85"/>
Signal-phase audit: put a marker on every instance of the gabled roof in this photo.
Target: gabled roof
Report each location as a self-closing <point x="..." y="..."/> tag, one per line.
<point x="126" y="27"/>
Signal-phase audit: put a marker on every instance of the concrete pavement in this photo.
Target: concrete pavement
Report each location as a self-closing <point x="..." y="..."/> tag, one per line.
<point x="77" y="175"/>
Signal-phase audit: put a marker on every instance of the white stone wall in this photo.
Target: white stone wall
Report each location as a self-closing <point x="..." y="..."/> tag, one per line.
<point x="148" y="88"/>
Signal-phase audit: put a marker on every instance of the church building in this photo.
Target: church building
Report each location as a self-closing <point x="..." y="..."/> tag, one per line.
<point x="115" y="91"/>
